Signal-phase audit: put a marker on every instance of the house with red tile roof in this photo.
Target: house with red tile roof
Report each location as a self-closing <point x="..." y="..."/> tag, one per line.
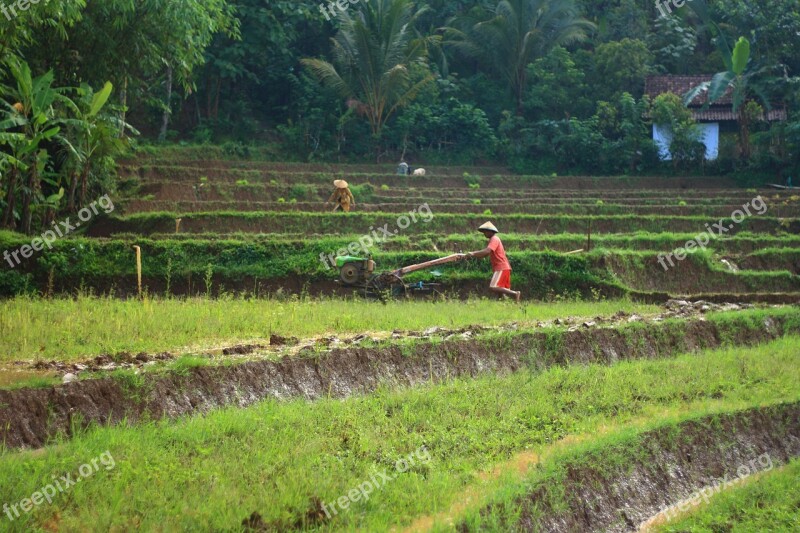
<point x="709" y="118"/>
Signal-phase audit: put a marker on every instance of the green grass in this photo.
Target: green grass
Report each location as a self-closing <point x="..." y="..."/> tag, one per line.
<point x="35" y="328"/>
<point x="261" y="264"/>
<point x="771" y="502"/>
<point x="276" y="458"/>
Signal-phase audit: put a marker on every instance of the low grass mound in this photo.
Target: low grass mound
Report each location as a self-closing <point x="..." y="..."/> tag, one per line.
<point x="735" y="245"/>
<point x="217" y="472"/>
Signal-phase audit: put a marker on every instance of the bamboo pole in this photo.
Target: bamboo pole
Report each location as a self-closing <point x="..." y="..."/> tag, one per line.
<point x="429" y="264"/>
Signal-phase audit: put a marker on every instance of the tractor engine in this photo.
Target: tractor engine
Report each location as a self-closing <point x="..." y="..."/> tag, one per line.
<point x="355" y="270"/>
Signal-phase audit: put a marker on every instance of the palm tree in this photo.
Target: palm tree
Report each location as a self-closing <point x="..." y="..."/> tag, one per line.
<point x="372" y="54"/>
<point x="518" y="33"/>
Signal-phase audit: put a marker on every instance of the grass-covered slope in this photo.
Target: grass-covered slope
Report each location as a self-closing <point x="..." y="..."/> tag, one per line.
<point x="284" y="460"/>
<point x="203" y="264"/>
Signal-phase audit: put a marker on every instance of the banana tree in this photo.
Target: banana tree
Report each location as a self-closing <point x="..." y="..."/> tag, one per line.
<point x="11" y="165"/>
<point x="89" y="137"/>
<point x="740" y="79"/>
<point x="31" y="103"/>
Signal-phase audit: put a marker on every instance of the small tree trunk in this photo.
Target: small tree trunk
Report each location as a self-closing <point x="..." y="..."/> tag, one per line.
<point x="216" y="98"/>
<point x="28" y="196"/>
<point x="73" y="185"/>
<point x="8" y="217"/>
<point x="198" y="117"/>
<point x="49" y="216"/>
<point x="744" y="134"/>
<point x="518" y="91"/>
<point x="162" y="136"/>
<point x="84" y="184"/>
<point x="124" y="99"/>
<point x="208" y="98"/>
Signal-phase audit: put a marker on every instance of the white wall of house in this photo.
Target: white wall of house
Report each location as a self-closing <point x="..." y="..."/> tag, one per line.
<point x="707" y="133"/>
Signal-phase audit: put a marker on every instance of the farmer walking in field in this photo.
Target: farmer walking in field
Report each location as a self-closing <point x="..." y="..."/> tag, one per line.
<point x="501" y="279"/>
<point x="342" y="196"/>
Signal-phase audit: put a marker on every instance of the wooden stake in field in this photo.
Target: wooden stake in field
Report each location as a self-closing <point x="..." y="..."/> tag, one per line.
<point x="178" y="224"/>
<point x="138" y="269"/>
<point x="589" y="237"/>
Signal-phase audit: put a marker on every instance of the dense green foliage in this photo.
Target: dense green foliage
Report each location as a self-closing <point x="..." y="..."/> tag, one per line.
<point x="57" y="143"/>
<point x="542" y="85"/>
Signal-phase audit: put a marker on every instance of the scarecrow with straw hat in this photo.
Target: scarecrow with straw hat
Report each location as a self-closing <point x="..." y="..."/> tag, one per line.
<point x="342" y="196"/>
<point x="501" y="279"/>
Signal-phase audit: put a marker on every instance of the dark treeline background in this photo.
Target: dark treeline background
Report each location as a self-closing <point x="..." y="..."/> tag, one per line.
<point x="255" y="72"/>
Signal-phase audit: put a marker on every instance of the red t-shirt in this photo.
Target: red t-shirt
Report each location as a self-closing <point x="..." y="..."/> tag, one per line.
<point x="498" y="256"/>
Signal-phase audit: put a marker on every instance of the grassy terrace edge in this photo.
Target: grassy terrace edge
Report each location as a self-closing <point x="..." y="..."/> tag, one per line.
<point x="620" y="481"/>
<point x="297" y="455"/>
<point x="770" y="502"/>
<point x="199" y="265"/>
<point x="52" y="411"/>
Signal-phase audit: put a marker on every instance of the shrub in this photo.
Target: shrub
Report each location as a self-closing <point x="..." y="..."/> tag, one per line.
<point x="364" y="192"/>
<point x="299" y="192"/>
<point x="236" y="150"/>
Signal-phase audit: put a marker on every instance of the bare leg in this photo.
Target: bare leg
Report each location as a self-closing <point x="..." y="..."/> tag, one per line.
<point x="507" y="292"/>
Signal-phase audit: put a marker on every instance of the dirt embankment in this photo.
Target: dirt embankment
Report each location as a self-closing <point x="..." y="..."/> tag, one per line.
<point x="620" y="487"/>
<point x="30" y="417"/>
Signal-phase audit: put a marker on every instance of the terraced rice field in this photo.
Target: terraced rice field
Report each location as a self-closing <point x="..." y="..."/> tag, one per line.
<point x="247" y="390"/>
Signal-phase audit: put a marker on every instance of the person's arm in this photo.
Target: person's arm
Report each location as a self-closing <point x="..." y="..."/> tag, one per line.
<point x="480" y="254"/>
<point x="332" y="198"/>
<point x="352" y="198"/>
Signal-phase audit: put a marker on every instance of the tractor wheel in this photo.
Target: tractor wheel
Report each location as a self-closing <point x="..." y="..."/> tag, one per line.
<point x="350" y="273"/>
